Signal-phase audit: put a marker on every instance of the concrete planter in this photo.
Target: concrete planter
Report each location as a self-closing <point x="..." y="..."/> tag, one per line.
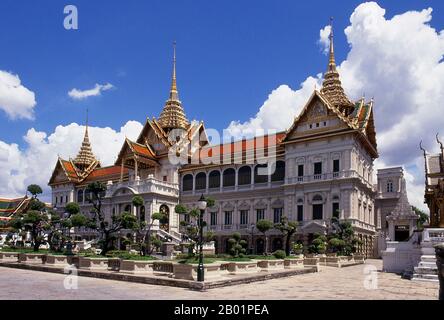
<point x="114" y="264"/>
<point x="189" y="271"/>
<point x="136" y="266"/>
<point x="293" y="263"/>
<point x="359" y="258"/>
<point x="74" y="260"/>
<point x="93" y="263"/>
<point x="270" y="265"/>
<point x="163" y="267"/>
<point x="56" y="260"/>
<point x="241" y="267"/>
<point x="35" y="258"/>
<point x="312" y="262"/>
<point x="9" y="256"/>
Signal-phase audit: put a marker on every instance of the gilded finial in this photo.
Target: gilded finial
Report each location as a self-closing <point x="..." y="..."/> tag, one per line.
<point x="173" y="92"/>
<point x="331" y="60"/>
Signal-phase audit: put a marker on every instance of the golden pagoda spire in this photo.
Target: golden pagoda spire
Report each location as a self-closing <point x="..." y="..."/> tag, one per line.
<point x="173" y="115"/>
<point x="331" y="86"/>
<point x="331" y="51"/>
<point x="85" y="157"/>
<point x="174" y="94"/>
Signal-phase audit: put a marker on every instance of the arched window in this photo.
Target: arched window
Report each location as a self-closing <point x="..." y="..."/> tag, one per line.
<point x="229" y="177"/>
<point x="187" y="184"/>
<point x="259" y="176"/>
<point x="390" y="186"/>
<point x="201" y="181"/>
<point x="80" y="196"/>
<point x="279" y="173"/>
<point x="244" y="175"/>
<point x="214" y="179"/>
<point x="317" y="198"/>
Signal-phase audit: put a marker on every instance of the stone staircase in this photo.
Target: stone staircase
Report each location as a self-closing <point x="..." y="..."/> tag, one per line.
<point x="427" y="270"/>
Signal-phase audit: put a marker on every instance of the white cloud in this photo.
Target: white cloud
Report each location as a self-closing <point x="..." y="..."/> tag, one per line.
<point x="398" y="61"/>
<point x="34" y="163"/>
<point x="324" y="41"/>
<point x="278" y="111"/>
<point x="77" y="94"/>
<point x="15" y="99"/>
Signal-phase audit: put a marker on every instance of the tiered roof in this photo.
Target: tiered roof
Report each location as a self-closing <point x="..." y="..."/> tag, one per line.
<point x="173" y="116"/>
<point x="9" y="207"/>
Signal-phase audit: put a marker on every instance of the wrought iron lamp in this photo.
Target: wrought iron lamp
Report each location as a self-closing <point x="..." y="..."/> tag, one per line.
<point x="201" y="205"/>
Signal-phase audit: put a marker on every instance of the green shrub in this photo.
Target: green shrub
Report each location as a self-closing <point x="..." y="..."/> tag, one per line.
<point x="279" y="254"/>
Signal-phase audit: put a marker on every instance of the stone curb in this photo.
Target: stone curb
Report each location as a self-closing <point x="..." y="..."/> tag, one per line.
<point x="192" y="285"/>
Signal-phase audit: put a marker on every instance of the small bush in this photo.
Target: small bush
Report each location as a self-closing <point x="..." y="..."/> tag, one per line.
<point x="279" y="254"/>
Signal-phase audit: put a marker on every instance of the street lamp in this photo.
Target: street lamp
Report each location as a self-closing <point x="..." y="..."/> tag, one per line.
<point x="252" y="235"/>
<point x="201" y="205"/>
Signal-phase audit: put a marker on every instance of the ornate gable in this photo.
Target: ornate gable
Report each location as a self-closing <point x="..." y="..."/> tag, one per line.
<point x="64" y="172"/>
<point x="318" y="116"/>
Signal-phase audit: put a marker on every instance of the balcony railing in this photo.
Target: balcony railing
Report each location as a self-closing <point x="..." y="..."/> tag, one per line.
<point x="327" y="176"/>
<point x="148" y="185"/>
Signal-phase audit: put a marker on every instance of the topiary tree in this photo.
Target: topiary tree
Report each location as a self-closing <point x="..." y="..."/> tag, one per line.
<point x="34" y="219"/>
<point x="191" y="226"/>
<point x="342" y="238"/>
<point x="287" y="228"/>
<point x="34" y="190"/>
<point x="263" y="226"/>
<point x="279" y="254"/>
<point x="318" y="245"/>
<point x="107" y="228"/>
<point x="237" y="245"/>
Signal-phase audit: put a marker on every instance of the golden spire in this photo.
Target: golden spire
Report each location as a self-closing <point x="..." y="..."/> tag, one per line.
<point x="174" y="94"/>
<point x="331" y="51"/>
<point x="173" y="115"/>
<point x="331" y="86"/>
<point x="85" y="157"/>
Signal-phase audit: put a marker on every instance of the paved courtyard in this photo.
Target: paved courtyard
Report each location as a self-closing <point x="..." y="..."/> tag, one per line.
<point x="330" y="283"/>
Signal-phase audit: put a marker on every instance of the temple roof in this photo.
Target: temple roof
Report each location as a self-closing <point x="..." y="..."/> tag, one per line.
<point x="9" y="207"/>
<point x="173" y="116"/>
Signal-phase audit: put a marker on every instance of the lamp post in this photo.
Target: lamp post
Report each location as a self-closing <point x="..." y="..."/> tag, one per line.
<point x="252" y="235"/>
<point x="202" y="205"/>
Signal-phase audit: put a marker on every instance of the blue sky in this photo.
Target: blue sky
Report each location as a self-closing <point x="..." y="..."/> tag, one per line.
<point x="231" y="54"/>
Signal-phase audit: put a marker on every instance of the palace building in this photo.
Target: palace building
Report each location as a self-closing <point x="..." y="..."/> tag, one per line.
<point x="320" y="167"/>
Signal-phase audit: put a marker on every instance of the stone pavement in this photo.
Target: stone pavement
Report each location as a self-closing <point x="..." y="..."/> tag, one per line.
<point x="330" y="283"/>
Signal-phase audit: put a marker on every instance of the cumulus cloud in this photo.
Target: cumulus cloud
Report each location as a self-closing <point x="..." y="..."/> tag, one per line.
<point x="77" y="94"/>
<point x="324" y="41"/>
<point x="15" y="99"/>
<point x="399" y="62"/>
<point x="34" y="163"/>
<point x="278" y="111"/>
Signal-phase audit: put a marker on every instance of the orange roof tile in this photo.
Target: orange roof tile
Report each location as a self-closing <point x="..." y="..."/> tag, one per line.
<point x="259" y="143"/>
<point x="106" y="173"/>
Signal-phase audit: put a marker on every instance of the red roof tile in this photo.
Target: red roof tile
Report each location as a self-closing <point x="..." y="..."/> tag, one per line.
<point x="106" y="173"/>
<point x="256" y="143"/>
